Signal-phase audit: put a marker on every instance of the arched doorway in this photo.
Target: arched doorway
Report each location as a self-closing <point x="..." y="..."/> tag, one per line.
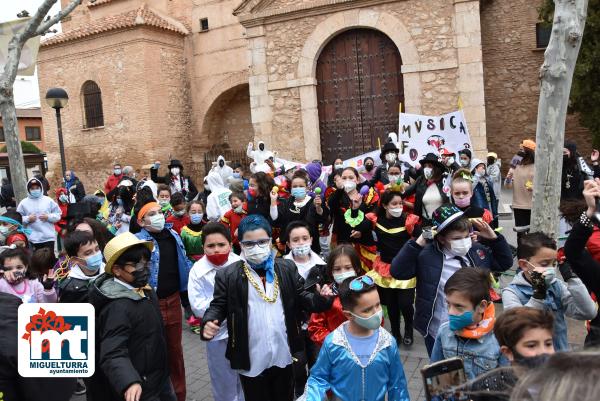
<point x="359" y="88"/>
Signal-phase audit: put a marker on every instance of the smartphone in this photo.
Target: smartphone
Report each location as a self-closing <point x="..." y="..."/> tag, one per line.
<point x="441" y="378"/>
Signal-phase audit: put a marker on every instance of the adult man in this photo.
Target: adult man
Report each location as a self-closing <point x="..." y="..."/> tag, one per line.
<point x="7" y="195"/>
<point x="113" y="179"/>
<point x="169" y="271"/>
<point x="39" y="213"/>
<point x="74" y="185"/>
<point x="175" y="179"/>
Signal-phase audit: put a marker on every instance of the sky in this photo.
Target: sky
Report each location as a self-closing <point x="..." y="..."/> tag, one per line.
<point x="26" y="88"/>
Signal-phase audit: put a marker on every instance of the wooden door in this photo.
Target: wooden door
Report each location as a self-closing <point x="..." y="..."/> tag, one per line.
<point x="359" y="87"/>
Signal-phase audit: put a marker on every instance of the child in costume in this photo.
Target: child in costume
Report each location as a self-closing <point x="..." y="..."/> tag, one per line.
<point x="17" y="280"/>
<point x="359" y="360"/>
<point x="164" y="200"/>
<point x="234" y="216"/>
<point x="180" y="217"/>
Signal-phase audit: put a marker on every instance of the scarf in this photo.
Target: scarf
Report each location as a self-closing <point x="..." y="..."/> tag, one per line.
<point x="20" y="228"/>
<point x="268" y="266"/>
<point x="485" y="326"/>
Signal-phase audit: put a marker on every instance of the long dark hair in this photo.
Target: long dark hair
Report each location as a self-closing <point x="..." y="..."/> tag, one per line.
<point x="342" y="249"/>
<point x="264" y="182"/>
<point x="385" y="199"/>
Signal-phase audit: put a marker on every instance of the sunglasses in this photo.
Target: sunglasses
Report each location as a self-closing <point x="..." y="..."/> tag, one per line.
<point x="139" y="266"/>
<point x="361" y="283"/>
<point x="261" y="242"/>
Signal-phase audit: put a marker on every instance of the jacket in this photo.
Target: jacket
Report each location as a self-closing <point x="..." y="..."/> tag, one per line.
<point x="419" y="188"/>
<point x="75" y="186"/>
<point x="288" y="212"/>
<point x="479" y="355"/>
<point x="188" y="189"/>
<point x="183" y="263"/>
<point x="130" y="342"/>
<point x="217" y="203"/>
<point x="232" y="220"/>
<point x="427" y="263"/>
<point x="13" y="386"/>
<point x="338" y="369"/>
<point x="75" y="287"/>
<point x="323" y="323"/>
<point x="41" y="231"/>
<point x="111" y="182"/>
<point x="571" y="299"/>
<point x="485" y="199"/>
<point x="231" y="302"/>
<point x="339" y="204"/>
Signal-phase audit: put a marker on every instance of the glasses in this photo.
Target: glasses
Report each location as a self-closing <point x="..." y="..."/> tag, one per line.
<point x="261" y="242"/>
<point x="361" y="283"/>
<point x="139" y="266"/>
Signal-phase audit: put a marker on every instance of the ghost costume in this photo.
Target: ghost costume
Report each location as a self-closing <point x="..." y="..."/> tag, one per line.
<point x="217" y="203"/>
<point x="225" y="171"/>
<point x="259" y="156"/>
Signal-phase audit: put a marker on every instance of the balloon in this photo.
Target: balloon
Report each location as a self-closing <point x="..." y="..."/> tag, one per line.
<point x="275" y="189"/>
<point x="317" y="190"/>
<point x="364" y="190"/>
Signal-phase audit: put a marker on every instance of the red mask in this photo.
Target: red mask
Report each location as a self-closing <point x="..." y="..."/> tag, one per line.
<point x="218" y="259"/>
<point x="252" y="192"/>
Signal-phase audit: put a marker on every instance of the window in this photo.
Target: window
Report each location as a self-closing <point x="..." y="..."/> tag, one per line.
<point x="542" y="34"/>
<point x="33" y="134"/>
<point x="92" y="105"/>
<point x="203" y="24"/>
<point x="2" y="135"/>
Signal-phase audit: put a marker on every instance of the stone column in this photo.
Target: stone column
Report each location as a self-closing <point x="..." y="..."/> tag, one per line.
<point x="470" y="70"/>
<point x="260" y="100"/>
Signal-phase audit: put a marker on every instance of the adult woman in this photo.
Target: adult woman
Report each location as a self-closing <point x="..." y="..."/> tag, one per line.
<point x="428" y="189"/>
<point x="369" y="165"/>
<point x="301" y="206"/>
<point x="521" y="182"/>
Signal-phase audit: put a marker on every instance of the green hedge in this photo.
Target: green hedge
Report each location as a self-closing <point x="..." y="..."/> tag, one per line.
<point x="27" y="147"/>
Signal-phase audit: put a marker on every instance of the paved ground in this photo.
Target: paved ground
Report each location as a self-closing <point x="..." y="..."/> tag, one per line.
<point x="413" y="358"/>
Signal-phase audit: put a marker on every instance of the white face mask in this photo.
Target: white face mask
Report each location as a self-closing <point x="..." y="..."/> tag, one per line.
<point x="175" y="171"/>
<point x="464" y="163"/>
<point x="257" y="254"/>
<point x="349" y="186"/>
<point x="340" y="277"/>
<point x="428" y="172"/>
<point x="460" y="247"/>
<point x="157" y="221"/>
<point x="338" y="166"/>
<point x="301" y="250"/>
<point x="391" y="157"/>
<point x="395" y="212"/>
<point x="450" y="161"/>
<point x="393" y="178"/>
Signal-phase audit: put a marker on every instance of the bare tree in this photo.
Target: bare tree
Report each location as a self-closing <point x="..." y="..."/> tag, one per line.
<point x="38" y="25"/>
<point x="556" y="76"/>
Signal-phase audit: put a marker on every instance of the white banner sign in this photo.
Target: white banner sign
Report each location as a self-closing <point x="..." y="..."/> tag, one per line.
<point x="419" y="135"/>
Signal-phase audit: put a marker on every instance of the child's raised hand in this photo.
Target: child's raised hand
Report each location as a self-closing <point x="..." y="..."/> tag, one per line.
<point x="48" y="279"/>
<point x="325" y="291"/>
<point x="483" y="229"/>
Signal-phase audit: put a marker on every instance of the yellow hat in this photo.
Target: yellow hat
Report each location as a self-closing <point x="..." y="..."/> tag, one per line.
<point x="116" y="246"/>
<point x="492" y="154"/>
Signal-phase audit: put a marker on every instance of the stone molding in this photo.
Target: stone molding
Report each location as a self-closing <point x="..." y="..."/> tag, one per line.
<point x="441" y="65"/>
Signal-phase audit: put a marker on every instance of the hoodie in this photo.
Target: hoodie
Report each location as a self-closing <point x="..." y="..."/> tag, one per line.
<point x="217" y="203"/>
<point x="259" y="157"/>
<point x="314" y="171"/>
<point x="225" y="172"/>
<point x="41" y="231"/>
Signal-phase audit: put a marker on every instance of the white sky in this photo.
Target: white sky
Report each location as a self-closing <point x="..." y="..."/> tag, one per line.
<point x="26" y="88"/>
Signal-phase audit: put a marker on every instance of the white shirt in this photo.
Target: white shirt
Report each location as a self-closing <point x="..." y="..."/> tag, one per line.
<point x="304" y="268"/>
<point x="124" y="284"/>
<point x="201" y="288"/>
<point x="267" y="334"/>
<point x="431" y="200"/>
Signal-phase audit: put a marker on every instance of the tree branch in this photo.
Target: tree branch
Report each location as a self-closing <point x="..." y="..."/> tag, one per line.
<point x="44" y="26"/>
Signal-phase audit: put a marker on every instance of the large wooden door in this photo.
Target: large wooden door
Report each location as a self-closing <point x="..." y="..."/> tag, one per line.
<point x="359" y="87"/>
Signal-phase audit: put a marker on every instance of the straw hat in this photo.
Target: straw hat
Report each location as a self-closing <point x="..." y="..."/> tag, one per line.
<point x="116" y="246"/>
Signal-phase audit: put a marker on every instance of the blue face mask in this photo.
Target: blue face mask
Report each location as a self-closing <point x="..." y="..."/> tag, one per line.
<point x="237" y="175"/>
<point x="94" y="262"/>
<point x="299" y="193"/>
<point x="35" y="193"/>
<point x="119" y="201"/>
<point x="196" y="218"/>
<point x="458" y="322"/>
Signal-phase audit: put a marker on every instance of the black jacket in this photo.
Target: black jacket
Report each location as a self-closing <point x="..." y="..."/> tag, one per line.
<point x="77" y="189"/>
<point x="189" y="195"/>
<point x="12" y="385"/>
<point x="7" y="196"/>
<point x="419" y="188"/>
<point x="287" y="213"/>
<point x="339" y="203"/>
<point x="231" y="302"/>
<point x="130" y="341"/>
<point x="73" y="290"/>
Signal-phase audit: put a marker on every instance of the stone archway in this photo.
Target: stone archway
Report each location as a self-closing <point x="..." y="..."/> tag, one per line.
<point x="323" y="33"/>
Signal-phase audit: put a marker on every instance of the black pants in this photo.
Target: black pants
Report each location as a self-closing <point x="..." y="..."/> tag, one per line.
<point x="304" y="361"/>
<point x="273" y="384"/>
<point x="399" y="301"/>
<point x="40" y="245"/>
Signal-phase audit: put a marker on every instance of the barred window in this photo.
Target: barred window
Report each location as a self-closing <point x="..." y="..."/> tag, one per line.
<point x="33" y="134"/>
<point x="92" y="105"/>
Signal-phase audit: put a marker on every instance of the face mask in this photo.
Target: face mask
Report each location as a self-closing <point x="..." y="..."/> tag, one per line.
<point x="163" y="202"/>
<point x="119" y="201"/>
<point x="530" y="362"/>
<point x="458" y="322"/>
<point x="299" y="193"/>
<point x="490" y="161"/>
<point x="157" y="222"/>
<point x="479" y="174"/>
<point x="140" y="278"/>
<point x="4" y="230"/>
<point x="395" y="212"/>
<point x="117" y="171"/>
<point x="237" y="176"/>
<point x="257" y="254"/>
<point x="369" y="167"/>
<point x="428" y="172"/>
<point x="218" y="259"/>
<point x="252" y="192"/>
<point x="464" y="163"/>
<point x="450" y="161"/>
<point x="460" y="247"/>
<point x="19" y="276"/>
<point x="196" y="218"/>
<point x="370" y="323"/>
<point x="179" y="213"/>
<point x="239" y="209"/>
<point x="391" y="157"/>
<point x="338" y="166"/>
<point x="349" y="186"/>
<point x="340" y="277"/>
<point x="175" y="171"/>
<point x="302" y="250"/>
<point x="549" y="275"/>
<point x="393" y="178"/>
<point x="464" y="202"/>
<point x="35" y="193"/>
<point x="94" y="262"/>
<point x="63" y="198"/>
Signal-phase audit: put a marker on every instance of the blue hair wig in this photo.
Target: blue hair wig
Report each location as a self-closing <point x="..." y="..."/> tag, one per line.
<point x="251" y="223"/>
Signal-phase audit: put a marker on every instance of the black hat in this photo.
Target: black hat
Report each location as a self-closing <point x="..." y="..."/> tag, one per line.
<point x="175" y="163"/>
<point x="431" y="158"/>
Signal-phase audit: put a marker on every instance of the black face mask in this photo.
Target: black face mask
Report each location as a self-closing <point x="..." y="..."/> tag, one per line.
<point x="369" y="167"/>
<point x="261" y="146"/>
<point x="140" y="278"/>
<point x="221" y="163"/>
<point x="530" y="362"/>
<point x="490" y="160"/>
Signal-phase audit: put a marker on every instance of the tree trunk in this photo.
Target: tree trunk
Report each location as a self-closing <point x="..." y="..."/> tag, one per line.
<point x="18" y="174"/>
<point x="556" y="76"/>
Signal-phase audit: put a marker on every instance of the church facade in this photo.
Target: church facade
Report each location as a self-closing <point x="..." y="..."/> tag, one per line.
<point x="313" y="79"/>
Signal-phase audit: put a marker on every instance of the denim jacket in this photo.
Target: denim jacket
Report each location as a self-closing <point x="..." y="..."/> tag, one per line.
<point x="479" y="355"/>
<point x="183" y="262"/>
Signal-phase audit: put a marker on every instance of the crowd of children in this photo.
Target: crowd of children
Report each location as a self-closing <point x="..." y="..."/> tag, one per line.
<point x="290" y="280"/>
